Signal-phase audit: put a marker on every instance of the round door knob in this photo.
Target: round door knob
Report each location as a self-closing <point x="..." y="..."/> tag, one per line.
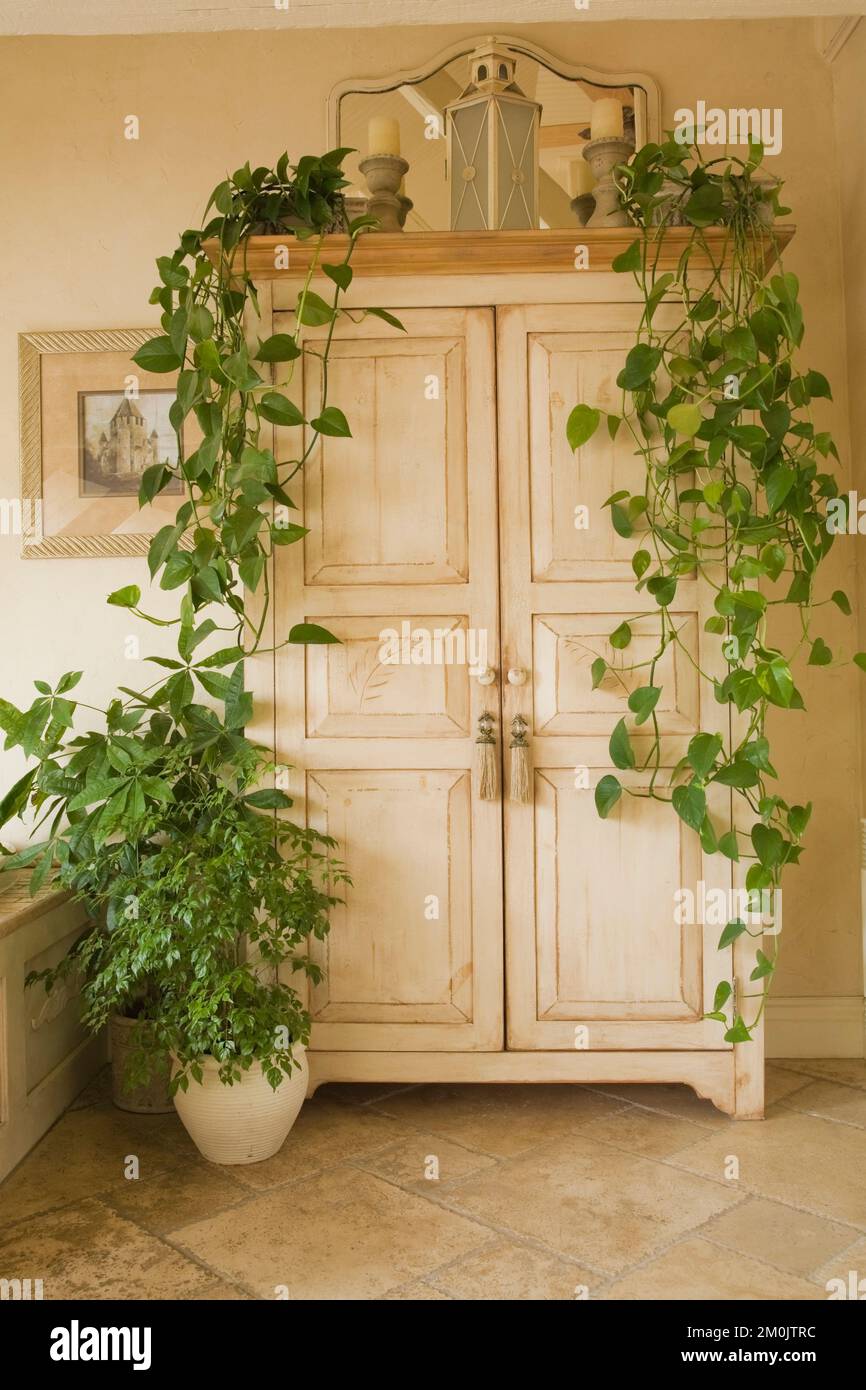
<point x="517" y="676"/>
<point x="486" y="676"/>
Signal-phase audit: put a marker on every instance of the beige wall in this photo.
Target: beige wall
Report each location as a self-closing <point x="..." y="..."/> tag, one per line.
<point x="849" y="89"/>
<point x="87" y="211"/>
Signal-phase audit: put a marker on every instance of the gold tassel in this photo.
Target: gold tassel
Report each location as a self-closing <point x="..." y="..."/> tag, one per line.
<point x="519" y="760"/>
<point x="486" y="745"/>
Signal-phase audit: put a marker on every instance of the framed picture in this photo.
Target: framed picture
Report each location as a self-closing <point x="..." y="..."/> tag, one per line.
<point x="91" y="422"/>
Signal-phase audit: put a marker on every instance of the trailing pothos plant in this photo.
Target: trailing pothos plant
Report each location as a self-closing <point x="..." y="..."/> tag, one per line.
<point x="154" y="818"/>
<point x="736" y="482"/>
<point x="236" y="507"/>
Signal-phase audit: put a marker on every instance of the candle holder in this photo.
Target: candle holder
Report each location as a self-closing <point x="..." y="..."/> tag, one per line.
<point x="602" y="156"/>
<point x="356" y="205"/>
<point x="383" y="173"/>
<point x="406" y="206"/>
<point x="583" y="206"/>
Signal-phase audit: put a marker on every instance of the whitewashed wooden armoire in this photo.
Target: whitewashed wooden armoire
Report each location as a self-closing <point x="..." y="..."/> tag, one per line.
<point x="486" y="940"/>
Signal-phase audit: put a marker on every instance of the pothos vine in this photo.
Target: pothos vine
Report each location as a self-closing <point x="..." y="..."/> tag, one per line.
<point x="737" y="480"/>
<point x="236" y="510"/>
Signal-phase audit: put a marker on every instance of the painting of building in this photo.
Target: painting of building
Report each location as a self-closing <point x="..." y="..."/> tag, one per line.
<point x="120" y="437"/>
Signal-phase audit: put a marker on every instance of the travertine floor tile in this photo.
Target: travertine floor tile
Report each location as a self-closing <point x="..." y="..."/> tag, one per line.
<point x="829" y="1099"/>
<point x="679" y="1101"/>
<point x="96" y="1092"/>
<point x="499" y="1120"/>
<point x="219" y="1292"/>
<point x="603" y="1207"/>
<point x="415" y="1293"/>
<point x="849" y="1266"/>
<point x="324" y="1135"/>
<point x="645" y="1132"/>
<point x="359" y="1092"/>
<point x="184" y="1194"/>
<point x="84" y="1156"/>
<point x="849" y="1070"/>
<point x="792" y="1240"/>
<point x="343" y="1234"/>
<point x="601" y="1188"/>
<point x="800" y="1159"/>
<point x="513" y="1272"/>
<point x="780" y="1083"/>
<point x="87" y="1251"/>
<point x="408" y="1162"/>
<point x="694" y="1269"/>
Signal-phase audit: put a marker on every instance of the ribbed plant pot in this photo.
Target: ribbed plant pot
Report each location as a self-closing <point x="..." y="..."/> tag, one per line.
<point x="246" y="1122"/>
<point x="151" y="1099"/>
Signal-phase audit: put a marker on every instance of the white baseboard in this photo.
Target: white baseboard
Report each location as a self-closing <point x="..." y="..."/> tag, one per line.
<point x="816" y="1025"/>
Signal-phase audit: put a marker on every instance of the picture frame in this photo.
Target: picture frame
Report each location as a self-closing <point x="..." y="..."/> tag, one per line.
<point x="91" y="421"/>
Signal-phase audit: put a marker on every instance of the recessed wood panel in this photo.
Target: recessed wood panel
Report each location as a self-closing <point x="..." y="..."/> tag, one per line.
<point x="564" y="648"/>
<point x="565" y="369"/>
<point x="389" y="504"/>
<point x="54" y="1028"/>
<point x="572" y="534"/>
<point x="400" y="947"/>
<point x="609" y="946"/>
<point x="355" y="691"/>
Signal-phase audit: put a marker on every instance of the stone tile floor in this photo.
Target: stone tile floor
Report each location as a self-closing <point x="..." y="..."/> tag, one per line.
<point x="459" y="1192"/>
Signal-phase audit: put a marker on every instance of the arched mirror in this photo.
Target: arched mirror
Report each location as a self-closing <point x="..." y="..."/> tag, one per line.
<point x="415" y="112"/>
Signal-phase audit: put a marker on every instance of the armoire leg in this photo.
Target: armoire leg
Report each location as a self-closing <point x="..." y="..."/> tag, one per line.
<point x="749" y="1080"/>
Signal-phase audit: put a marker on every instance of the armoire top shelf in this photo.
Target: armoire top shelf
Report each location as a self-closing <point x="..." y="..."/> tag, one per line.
<point x="489" y="253"/>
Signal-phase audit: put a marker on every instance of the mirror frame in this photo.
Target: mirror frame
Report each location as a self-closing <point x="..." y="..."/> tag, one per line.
<point x="647" y="93"/>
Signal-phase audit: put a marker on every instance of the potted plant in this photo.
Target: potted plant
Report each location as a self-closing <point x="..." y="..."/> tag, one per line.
<point x="195" y="903"/>
<point x="200" y="890"/>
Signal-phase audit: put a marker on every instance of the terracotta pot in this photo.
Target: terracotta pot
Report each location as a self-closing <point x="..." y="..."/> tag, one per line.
<point x="246" y="1122"/>
<point x="152" y="1099"/>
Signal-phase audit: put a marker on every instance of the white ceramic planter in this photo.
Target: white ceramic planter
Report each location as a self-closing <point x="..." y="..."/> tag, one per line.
<point x="246" y="1122"/>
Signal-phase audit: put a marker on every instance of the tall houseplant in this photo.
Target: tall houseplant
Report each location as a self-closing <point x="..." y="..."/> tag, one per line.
<point x="155" y="819"/>
<point x="737" y="485"/>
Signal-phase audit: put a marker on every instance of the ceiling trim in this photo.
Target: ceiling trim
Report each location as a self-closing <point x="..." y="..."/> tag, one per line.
<point x="102" y="17"/>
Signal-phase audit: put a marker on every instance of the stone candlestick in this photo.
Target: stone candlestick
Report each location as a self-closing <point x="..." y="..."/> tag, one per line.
<point x="406" y="206"/>
<point x="603" y="155"/>
<point x="355" y="205"/>
<point x="583" y="206"/>
<point x="383" y="173"/>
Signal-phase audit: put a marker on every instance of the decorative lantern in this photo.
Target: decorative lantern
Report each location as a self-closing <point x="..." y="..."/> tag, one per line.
<point x="493" y="148"/>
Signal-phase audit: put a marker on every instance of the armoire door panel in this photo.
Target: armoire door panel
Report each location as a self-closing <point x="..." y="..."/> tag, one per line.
<point x="401" y="561"/>
<point x="389" y="504"/>
<point x="571" y="535"/>
<point x="608" y="944"/>
<point x="564" y="646"/>
<point x="595" y="955"/>
<point x="356" y="690"/>
<point x="404" y="955"/>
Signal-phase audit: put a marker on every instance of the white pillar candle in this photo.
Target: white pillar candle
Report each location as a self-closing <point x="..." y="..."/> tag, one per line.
<point x="383" y="136"/>
<point x="582" y="180"/>
<point x="606" y="121"/>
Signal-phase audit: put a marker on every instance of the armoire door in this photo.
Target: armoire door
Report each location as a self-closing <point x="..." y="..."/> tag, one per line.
<point x="402" y="539"/>
<point x="594" y="954"/>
